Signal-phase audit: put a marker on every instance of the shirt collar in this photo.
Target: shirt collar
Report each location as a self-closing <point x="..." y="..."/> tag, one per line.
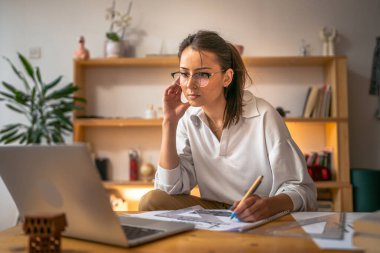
<point x="249" y="105"/>
<point x="249" y="109"/>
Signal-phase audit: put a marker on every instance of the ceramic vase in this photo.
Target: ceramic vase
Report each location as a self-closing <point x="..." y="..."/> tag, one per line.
<point x="113" y="49"/>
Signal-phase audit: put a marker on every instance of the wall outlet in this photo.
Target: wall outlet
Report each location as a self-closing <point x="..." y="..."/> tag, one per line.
<point x="35" y="53"/>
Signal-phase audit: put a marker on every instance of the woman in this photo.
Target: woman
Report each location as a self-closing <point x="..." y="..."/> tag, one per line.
<point x="223" y="138"/>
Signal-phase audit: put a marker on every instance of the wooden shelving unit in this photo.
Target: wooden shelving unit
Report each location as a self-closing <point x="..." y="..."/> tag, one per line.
<point x="332" y="131"/>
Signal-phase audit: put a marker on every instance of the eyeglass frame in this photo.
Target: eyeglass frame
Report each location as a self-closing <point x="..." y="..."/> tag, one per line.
<point x="197" y="73"/>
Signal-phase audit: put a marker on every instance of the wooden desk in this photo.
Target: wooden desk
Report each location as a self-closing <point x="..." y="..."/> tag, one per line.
<point x="198" y="241"/>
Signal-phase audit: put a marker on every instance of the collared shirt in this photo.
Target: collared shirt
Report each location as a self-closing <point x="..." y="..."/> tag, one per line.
<point x="259" y="144"/>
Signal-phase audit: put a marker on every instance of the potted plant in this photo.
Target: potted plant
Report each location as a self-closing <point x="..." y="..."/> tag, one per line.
<point x="119" y="22"/>
<point x="47" y="109"/>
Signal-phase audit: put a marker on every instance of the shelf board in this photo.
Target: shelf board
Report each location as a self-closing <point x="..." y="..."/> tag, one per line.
<point x="111" y="184"/>
<point x="167" y="61"/>
<point x="172" y="61"/>
<point x="331" y="184"/>
<point x="289" y="60"/>
<point x="104" y="122"/>
<point x="117" y="122"/>
<point x="315" y="120"/>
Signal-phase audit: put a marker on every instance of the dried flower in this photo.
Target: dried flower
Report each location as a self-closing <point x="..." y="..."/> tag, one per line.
<point x="119" y="22"/>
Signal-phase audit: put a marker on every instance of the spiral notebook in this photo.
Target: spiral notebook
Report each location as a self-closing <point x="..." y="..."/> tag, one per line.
<point x="207" y="219"/>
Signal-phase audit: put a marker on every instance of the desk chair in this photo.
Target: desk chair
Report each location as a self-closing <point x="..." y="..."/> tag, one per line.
<point x="366" y="189"/>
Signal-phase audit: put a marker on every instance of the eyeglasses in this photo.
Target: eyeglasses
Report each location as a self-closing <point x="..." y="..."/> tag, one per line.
<point x="201" y="78"/>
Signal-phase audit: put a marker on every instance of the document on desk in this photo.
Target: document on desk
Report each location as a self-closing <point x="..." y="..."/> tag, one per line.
<point x="345" y="243"/>
<point x="207" y="219"/>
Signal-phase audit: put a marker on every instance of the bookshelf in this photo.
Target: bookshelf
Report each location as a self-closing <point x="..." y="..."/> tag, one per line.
<point x="309" y="133"/>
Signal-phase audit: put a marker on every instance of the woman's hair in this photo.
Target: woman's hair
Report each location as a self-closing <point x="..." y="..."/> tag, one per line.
<point x="228" y="57"/>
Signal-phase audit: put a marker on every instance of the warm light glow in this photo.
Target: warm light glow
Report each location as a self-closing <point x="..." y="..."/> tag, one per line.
<point x="135" y="194"/>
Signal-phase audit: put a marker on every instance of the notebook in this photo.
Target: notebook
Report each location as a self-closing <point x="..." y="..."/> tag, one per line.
<point x="63" y="178"/>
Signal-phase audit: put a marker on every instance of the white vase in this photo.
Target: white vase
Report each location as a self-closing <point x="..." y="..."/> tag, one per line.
<point x="113" y="49"/>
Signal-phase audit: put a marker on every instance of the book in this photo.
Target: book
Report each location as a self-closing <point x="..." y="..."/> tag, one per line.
<point x="368" y="242"/>
<point x="326" y="101"/>
<point x="310" y="101"/>
<point x="307" y="98"/>
<point x="368" y="224"/>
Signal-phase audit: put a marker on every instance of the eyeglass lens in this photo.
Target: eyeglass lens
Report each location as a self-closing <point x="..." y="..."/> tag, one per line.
<point x="200" y="78"/>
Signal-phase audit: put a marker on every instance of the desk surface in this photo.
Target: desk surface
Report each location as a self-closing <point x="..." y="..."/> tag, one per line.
<point x="13" y="240"/>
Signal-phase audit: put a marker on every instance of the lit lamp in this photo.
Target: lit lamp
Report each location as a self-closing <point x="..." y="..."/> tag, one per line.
<point x="375" y="77"/>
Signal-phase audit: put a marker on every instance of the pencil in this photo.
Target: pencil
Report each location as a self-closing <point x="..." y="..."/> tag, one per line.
<point x="251" y="190"/>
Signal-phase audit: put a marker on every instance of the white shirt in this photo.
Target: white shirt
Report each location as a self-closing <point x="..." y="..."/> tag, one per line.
<point x="259" y="144"/>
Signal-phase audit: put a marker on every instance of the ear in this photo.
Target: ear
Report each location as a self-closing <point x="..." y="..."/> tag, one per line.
<point x="228" y="76"/>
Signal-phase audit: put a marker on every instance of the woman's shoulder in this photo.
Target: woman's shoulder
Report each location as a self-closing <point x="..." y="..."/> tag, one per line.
<point x="255" y="106"/>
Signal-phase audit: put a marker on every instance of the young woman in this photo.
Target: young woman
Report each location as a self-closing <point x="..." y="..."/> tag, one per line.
<point x="223" y="138"/>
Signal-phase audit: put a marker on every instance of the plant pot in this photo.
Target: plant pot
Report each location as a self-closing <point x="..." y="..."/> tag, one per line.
<point x="113" y="49"/>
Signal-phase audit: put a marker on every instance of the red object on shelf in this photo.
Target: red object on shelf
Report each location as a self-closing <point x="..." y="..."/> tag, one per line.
<point x="133" y="165"/>
<point x="319" y="173"/>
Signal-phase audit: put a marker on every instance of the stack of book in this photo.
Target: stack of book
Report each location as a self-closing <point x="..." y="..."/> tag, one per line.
<point x="319" y="165"/>
<point x="318" y="102"/>
<point x="367" y="232"/>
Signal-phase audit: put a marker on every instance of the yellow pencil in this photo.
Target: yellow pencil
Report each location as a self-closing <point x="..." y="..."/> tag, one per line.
<point x="251" y="190"/>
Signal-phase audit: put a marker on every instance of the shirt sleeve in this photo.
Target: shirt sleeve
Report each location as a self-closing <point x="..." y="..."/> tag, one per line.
<point x="182" y="179"/>
<point x="290" y="176"/>
<point x="288" y="165"/>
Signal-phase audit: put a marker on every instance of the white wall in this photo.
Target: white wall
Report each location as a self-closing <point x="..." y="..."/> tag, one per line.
<point x="265" y="28"/>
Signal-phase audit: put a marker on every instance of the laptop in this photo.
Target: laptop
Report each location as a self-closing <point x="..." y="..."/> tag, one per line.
<point x="63" y="178"/>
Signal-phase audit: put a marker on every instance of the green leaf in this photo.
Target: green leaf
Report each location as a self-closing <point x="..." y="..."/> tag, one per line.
<point x="79" y="99"/>
<point x="9" y="127"/>
<point x="27" y="66"/>
<point x="63" y="93"/>
<point x="15" y="138"/>
<point x="19" y="74"/>
<point x="8" y="135"/>
<point x="113" y="36"/>
<point x="7" y="95"/>
<point x="39" y="79"/>
<point x="23" y="139"/>
<point x="13" y="108"/>
<point x="10" y="87"/>
<point x="52" y="84"/>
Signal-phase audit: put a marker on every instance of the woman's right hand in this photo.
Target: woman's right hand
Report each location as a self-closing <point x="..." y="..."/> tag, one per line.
<point x="174" y="108"/>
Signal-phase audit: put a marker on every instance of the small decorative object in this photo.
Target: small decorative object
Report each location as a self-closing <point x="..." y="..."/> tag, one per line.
<point x="328" y="37"/>
<point x="82" y="52"/>
<point x="45" y="232"/>
<point x="147" y="171"/>
<point x="133" y="165"/>
<point x="160" y="112"/>
<point x="119" y="22"/>
<point x="304" y="48"/>
<point x="282" y="112"/>
<point x="150" y="113"/>
<point x="47" y="109"/>
<point x="239" y="48"/>
<point x="118" y="202"/>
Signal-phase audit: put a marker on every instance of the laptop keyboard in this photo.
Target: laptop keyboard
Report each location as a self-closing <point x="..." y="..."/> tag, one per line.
<point x="138" y="232"/>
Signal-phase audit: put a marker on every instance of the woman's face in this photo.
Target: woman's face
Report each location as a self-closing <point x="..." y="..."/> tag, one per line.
<point x="192" y="62"/>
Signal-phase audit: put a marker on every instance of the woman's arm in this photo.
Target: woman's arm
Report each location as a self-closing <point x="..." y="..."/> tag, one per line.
<point x="173" y="110"/>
